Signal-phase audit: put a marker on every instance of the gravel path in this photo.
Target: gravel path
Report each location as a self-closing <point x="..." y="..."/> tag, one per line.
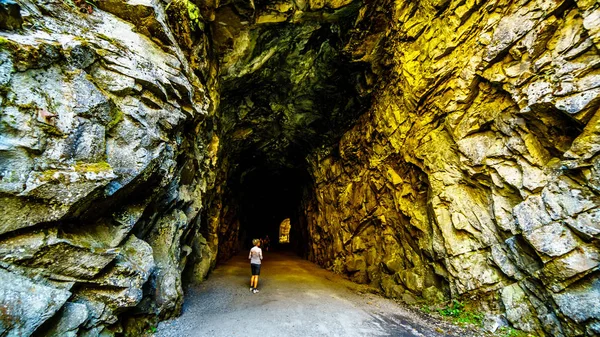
<point x="296" y="298"/>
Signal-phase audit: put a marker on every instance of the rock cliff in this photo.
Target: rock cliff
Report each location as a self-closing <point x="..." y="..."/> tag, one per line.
<point x="102" y="165"/>
<point x="474" y="173"/>
<point x="436" y="149"/>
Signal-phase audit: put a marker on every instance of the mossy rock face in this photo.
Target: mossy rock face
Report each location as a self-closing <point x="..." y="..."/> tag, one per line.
<point x="92" y="167"/>
<point x="33" y="57"/>
<point x="460" y="160"/>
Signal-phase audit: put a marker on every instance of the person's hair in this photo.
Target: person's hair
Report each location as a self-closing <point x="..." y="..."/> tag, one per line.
<point x="255" y="242"/>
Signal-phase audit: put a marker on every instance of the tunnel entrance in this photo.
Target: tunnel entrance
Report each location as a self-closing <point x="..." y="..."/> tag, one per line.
<point x="287" y="89"/>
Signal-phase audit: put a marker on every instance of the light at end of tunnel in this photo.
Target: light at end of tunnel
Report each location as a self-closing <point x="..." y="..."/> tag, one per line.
<point x="284" y="231"/>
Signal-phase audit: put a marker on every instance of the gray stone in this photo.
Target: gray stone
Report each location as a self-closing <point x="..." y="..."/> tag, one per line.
<point x="492" y="323"/>
<point x="132" y="267"/>
<point x="579" y="103"/>
<point x="531" y="214"/>
<point x="581" y="302"/>
<point x="524" y="257"/>
<point x="519" y="311"/>
<point x="26" y="305"/>
<point x="82" y="56"/>
<point x="96" y="332"/>
<point x="86" y="143"/>
<point x="55" y="256"/>
<point x="89" y="102"/>
<point x="593" y="328"/>
<point x="166" y="248"/>
<point x="514" y="26"/>
<point x="564" y="198"/>
<point x="6" y="68"/>
<point x="553" y="239"/>
<point x="500" y="257"/>
<point x="64" y="120"/>
<point x="70" y="318"/>
<point x="580" y="261"/>
<point x="145" y="14"/>
<point x="113" y="81"/>
<point x="586" y="224"/>
<point x="98" y="313"/>
<point x="102" y="234"/>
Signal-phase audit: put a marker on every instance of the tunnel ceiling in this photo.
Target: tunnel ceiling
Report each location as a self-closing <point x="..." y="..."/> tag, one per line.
<point x="286" y="84"/>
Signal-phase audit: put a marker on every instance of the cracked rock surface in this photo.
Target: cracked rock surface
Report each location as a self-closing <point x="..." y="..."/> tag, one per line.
<point x="434" y="150"/>
<point x="474" y="173"/>
<point x="97" y="139"/>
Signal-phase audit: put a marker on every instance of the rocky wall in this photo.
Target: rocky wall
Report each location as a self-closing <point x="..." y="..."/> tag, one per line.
<point x="475" y="172"/>
<point x="105" y="162"/>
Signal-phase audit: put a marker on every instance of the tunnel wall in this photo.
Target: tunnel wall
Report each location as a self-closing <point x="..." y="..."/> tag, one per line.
<point x="108" y="151"/>
<point x="474" y="174"/>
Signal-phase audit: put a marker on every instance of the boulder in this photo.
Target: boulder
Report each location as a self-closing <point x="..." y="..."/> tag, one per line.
<point x="69" y="319"/>
<point x="56" y="257"/>
<point x="519" y="310"/>
<point x="25" y="304"/>
<point x="580" y="302"/>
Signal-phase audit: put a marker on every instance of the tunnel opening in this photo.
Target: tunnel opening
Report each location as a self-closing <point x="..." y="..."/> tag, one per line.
<point x="287" y="89"/>
<point x="284" y="231"/>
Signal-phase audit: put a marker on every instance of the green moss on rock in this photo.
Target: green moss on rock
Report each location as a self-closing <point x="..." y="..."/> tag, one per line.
<point x="92" y="167"/>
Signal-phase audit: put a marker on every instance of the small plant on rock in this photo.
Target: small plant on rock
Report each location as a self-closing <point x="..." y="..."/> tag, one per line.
<point x="460" y="315"/>
<point x="453" y="310"/>
<point x="512" y="332"/>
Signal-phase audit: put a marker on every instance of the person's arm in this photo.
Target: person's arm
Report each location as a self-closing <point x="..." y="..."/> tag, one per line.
<point x="250" y="255"/>
<point x="260" y="254"/>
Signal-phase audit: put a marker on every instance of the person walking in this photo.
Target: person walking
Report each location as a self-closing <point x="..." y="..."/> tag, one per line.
<point x="255" y="261"/>
<point x="267" y="243"/>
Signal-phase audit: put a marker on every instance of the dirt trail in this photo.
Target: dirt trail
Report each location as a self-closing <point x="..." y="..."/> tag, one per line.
<point x="297" y="298"/>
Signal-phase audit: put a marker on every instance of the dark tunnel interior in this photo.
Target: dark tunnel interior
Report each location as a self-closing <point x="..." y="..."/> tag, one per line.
<point x="267" y="196"/>
<point x="276" y="117"/>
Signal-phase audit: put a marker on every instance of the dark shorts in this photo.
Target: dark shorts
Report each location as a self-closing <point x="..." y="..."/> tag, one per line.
<point x="255" y="268"/>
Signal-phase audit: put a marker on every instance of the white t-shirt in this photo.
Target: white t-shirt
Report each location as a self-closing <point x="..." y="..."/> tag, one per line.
<point x="255" y="255"/>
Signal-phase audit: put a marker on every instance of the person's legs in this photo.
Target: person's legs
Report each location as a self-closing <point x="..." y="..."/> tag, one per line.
<point x="256" y="272"/>
<point x="254" y="278"/>
<point x="252" y="268"/>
